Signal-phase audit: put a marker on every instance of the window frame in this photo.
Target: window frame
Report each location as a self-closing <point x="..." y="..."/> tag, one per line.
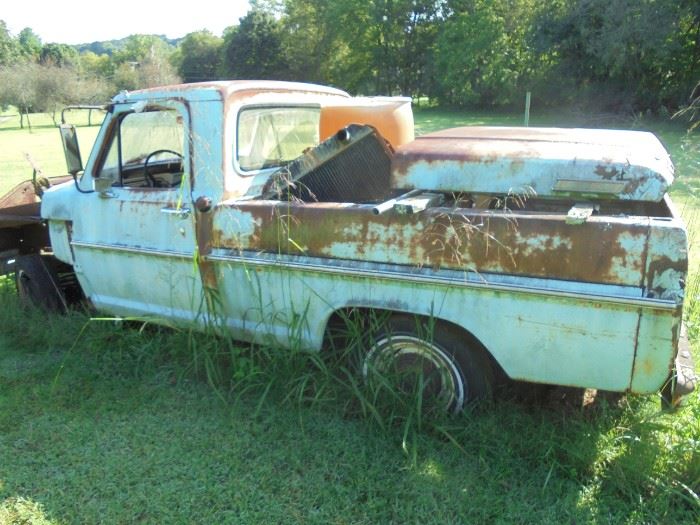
<point x="114" y="133"/>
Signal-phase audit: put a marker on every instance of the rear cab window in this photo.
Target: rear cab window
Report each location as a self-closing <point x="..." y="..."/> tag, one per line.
<point x="271" y="136"/>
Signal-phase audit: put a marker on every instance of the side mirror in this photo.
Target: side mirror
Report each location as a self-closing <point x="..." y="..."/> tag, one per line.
<point x="69" y="137"/>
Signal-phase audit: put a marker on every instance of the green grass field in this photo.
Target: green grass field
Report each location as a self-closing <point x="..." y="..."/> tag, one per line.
<point x="115" y="422"/>
<point x="42" y="144"/>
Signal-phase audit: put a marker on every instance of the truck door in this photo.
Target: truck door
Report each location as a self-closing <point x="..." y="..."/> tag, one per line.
<point x="134" y="241"/>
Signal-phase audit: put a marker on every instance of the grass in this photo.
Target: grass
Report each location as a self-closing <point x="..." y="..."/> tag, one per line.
<point x="114" y="422"/>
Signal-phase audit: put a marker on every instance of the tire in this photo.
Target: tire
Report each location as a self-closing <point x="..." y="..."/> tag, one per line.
<point x="37" y="284"/>
<point x="448" y="367"/>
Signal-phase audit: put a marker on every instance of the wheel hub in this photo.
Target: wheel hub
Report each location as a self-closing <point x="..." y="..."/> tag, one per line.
<point x="413" y="365"/>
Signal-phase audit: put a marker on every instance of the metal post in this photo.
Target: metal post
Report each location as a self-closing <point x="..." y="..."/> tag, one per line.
<point x="527" y="109"/>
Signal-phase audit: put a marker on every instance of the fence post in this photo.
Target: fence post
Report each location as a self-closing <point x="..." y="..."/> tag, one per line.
<point x="527" y="109"/>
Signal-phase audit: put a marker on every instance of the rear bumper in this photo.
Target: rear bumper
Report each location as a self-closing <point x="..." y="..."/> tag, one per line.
<point x="684" y="378"/>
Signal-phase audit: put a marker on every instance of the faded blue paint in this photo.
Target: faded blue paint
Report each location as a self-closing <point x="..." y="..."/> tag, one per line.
<point x="656" y="350"/>
<point x="555" y="340"/>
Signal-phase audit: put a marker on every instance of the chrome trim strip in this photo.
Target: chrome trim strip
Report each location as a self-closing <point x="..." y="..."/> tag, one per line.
<point x="129" y="249"/>
<point x="400" y="274"/>
<point x="257" y="260"/>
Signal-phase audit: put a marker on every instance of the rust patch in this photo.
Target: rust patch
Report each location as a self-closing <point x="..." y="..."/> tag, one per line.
<point x="647" y="367"/>
<point x="634" y="184"/>
<point x="21" y="194"/>
<point x="21" y="205"/>
<point x="675" y="333"/>
<point x="659" y="265"/>
<point x="483" y="145"/>
<point x="525" y="244"/>
<point x="203" y="233"/>
<point x="607" y="173"/>
<point x="436" y="151"/>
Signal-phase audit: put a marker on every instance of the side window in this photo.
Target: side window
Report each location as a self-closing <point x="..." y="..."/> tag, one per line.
<point x="269" y="137"/>
<point x="146" y="150"/>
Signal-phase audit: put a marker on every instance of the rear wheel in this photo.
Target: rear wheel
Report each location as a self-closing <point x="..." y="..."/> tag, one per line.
<point x="433" y="360"/>
<point x="38" y="283"/>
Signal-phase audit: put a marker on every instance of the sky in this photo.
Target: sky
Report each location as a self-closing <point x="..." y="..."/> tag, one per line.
<point x="85" y="21"/>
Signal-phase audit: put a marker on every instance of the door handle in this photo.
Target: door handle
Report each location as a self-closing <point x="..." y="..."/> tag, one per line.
<point x="182" y="213"/>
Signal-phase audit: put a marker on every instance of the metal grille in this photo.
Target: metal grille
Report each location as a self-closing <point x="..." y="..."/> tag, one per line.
<point x="351" y="166"/>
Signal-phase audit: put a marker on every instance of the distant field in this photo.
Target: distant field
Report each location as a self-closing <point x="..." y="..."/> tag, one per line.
<point x="42" y="144"/>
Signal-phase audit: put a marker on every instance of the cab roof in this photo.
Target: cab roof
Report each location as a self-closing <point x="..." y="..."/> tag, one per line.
<point x="225" y="89"/>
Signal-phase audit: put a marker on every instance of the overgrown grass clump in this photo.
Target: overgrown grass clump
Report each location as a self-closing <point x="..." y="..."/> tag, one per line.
<point x="105" y="421"/>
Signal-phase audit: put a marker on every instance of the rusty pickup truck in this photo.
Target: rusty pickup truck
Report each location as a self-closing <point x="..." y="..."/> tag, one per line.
<point x="277" y="209"/>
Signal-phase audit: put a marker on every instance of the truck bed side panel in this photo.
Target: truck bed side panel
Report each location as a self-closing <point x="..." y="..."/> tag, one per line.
<point x="556" y="339"/>
<point x="581" y="332"/>
<point x="608" y="250"/>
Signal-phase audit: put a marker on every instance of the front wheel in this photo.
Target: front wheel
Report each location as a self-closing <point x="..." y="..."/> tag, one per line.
<point x="38" y="283"/>
<point x="433" y="360"/>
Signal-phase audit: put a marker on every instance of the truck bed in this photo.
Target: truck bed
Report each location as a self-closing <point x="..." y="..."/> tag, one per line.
<point x="21" y="227"/>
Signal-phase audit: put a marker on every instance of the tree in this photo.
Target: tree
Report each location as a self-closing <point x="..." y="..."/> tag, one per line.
<point x="18" y="88"/>
<point x="383" y="46"/>
<point x="93" y="65"/>
<point x="9" y="48"/>
<point x="32" y="87"/>
<point x="402" y="35"/>
<point x="53" y="88"/>
<point x="29" y="43"/>
<point x="482" y="55"/>
<point x="126" y="77"/>
<point x="310" y="38"/>
<point x="156" y="71"/>
<point x="58" y="55"/>
<point x="137" y="48"/>
<point x="253" y="49"/>
<point x="144" y="62"/>
<point x="198" y="56"/>
<point x="625" y="55"/>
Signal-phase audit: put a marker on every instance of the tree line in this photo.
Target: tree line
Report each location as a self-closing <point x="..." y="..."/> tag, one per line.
<point x="621" y="56"/>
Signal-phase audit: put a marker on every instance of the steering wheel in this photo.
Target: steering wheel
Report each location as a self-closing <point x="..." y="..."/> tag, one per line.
<point x="150" y="179"/>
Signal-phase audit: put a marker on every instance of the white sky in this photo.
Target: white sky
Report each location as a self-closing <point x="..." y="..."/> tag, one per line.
<point x="85" y="21"/>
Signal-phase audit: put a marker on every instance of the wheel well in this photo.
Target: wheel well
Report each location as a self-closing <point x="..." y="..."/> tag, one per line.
<point x="352" y="321"/>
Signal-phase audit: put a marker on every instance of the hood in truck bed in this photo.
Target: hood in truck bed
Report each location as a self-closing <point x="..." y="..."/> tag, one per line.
<point x="554" y="162"/>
